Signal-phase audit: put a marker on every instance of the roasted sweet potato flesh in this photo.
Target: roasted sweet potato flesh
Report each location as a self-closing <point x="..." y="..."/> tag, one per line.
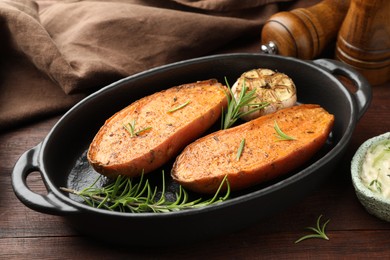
<point x="151" y="131"/>
<point x="203" y="164"/>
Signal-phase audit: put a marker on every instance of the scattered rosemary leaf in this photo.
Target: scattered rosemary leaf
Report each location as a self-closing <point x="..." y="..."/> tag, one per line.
<point x="240" y="149"/>
<point x="281" y="135"/>
<point x="319" y="232"/>
<point x="178" y="107"/>
<point x="130" y="127"/>
<point x="127" y="195"/>
<point x="139" y="132"/>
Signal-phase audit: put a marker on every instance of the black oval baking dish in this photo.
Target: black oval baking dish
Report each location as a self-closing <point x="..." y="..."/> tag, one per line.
<point x="63" y="150"/>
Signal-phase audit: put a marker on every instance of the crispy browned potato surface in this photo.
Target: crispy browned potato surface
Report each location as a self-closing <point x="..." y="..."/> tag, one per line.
<point x="152" y="130"/>
<point x="204" y="163"/>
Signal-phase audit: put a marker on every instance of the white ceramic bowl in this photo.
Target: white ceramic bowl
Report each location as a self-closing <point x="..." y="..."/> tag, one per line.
<point x="375" y="203"/>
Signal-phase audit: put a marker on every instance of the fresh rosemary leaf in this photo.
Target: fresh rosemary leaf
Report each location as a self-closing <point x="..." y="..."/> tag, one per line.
<point x="281" y="135"/>
<point x="130" y="127"/>
<point x="234" y="112"/>
<point x="216" y="198"/>
<point x="240" y="149"/>
<point x="178" y="107"/>
<point x="127" y="195"/>
<point x="318" y="231"/>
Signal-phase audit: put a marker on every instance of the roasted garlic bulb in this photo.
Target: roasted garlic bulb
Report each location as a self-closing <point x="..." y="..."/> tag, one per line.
<point x="273" y="87"/>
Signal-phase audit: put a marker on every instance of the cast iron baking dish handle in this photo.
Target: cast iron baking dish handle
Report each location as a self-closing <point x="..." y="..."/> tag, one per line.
<point x="363" y="93"/>
<point x="50" y="204"/>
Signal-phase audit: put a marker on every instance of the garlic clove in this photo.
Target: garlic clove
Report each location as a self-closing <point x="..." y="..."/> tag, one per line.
<point x="273" y="87"/>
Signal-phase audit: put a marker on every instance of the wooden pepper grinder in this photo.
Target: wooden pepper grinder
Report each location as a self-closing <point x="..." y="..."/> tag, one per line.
<point x="304" y="32"/>
<point x="364" y="39"/>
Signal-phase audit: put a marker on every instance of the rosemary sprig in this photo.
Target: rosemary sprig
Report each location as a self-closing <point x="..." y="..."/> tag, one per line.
<point x="319" y="232"/>
<point x="179" y="107"/>
<point x="125" y="195"/>
<point x="281" y="135"/>
<point x="240" y="149"/>
<point x="234" y="112"/>
<point x="130" y="127"/>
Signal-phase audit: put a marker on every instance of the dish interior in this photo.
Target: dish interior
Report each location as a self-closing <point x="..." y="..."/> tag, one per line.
<point x="65" y="147"/>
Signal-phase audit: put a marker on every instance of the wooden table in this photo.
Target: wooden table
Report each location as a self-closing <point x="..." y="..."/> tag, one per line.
<point x="353" y="232"/>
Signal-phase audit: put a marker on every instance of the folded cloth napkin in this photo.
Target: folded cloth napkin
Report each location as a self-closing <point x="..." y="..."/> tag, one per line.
<point x="52" y="58"/>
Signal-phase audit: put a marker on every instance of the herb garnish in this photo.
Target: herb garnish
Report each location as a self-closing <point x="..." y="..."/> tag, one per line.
<point x="319" y="232"/>
<point x="234" y="112"/>
<point x="376" y="183"/>
<point x="240" y="149"/>
<point x="126" y="196"/>
<point x="130" y="127"/>
<point x="281" y="135"/>
<point x="380" y="156"/>
<point x="178" y="107"/>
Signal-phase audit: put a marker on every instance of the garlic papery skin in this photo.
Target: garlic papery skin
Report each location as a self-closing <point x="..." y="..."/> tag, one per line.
<point x="272" y="87"/>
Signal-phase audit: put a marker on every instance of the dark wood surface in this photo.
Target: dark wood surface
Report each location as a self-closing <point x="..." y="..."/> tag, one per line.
<point x="353" y="233"/>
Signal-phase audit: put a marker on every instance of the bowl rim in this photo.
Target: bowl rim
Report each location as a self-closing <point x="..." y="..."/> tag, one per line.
<point x="356" y="166"/>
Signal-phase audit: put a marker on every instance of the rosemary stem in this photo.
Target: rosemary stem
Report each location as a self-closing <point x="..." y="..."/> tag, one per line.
<point x="123" y="195"/>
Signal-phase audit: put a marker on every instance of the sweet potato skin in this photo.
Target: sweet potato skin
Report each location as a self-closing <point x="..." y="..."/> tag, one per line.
<point x="204" y="163"/>
<point x="114" y="151"/>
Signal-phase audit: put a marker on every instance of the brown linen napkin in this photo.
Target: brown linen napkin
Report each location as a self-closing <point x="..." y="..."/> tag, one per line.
<point x="53" y="58"/>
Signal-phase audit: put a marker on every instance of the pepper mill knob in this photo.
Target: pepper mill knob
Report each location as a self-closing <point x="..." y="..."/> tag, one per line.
<point x="304" y="33"/>
<point x="364" y="39"/>
<point x="269" y="48"/>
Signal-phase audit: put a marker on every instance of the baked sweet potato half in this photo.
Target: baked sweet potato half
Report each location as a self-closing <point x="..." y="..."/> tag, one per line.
<point x="253" y="152"/>
<point x="151" y="131"/>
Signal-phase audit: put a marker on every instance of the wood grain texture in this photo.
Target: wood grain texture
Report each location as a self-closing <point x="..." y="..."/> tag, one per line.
<point x="363" y="244"/>
<point x="364" y="39"/>
<point x="353" y="232"/>
<point x="305" y="32"/>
